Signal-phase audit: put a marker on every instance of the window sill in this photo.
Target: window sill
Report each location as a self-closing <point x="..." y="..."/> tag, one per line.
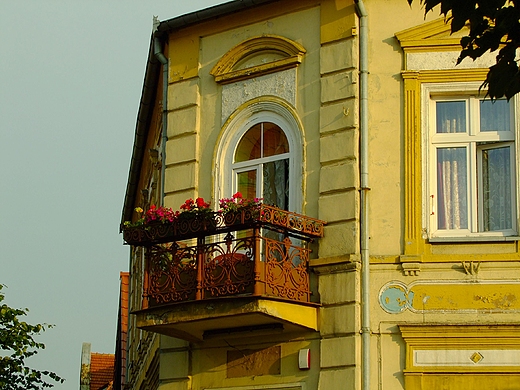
<point x="474" y="239"/>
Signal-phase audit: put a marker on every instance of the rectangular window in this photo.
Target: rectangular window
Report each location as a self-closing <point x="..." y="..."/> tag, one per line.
<point x="471" y="164"/>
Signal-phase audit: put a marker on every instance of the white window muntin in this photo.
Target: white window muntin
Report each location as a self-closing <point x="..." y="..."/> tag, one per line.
<point x="262" y="160"/>
<point x="475" y="142"/>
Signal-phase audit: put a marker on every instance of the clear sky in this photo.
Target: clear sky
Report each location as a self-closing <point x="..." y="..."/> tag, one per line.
<point x="71" y="73"/>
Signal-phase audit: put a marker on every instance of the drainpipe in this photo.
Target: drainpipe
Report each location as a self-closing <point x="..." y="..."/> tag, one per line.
<point x="364" y="231"/>
<point x="164" y="61"/>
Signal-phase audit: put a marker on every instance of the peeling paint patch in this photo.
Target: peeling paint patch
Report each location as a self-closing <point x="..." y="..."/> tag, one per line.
<point x="254" y="362"/>
<point x="451" y="296"/>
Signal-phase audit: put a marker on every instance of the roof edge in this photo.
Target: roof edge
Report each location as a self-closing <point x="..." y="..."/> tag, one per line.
<point x="214" y="12"/>
<point x="141" y="132"/>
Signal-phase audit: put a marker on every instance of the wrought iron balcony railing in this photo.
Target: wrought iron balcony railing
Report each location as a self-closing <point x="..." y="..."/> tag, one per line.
<point x="261" y="252"/>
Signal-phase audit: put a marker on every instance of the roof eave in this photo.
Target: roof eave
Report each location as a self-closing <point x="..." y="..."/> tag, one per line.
<point x="209" y="13"/>
<point x="141" y="132"/>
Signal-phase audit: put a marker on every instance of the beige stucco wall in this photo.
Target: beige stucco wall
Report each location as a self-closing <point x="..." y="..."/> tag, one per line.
<point x="326" y="90"/>
<point x="214" y="46"/>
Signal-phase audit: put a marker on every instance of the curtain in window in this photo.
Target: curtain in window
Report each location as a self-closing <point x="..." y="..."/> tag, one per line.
<point x="276" y="183"/>
<point x="495" y="116"/>
<point x="451" y="117"/>
<point x="452" y="188"/>
<point x="496" y="191"/>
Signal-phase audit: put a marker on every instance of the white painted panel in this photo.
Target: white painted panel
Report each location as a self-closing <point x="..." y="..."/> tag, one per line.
<point x="467" y="357"/>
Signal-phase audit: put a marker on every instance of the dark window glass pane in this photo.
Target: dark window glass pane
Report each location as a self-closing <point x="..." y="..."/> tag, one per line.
<point x="496" y="183"/>
<point x="267" y="134"/>
<point x="249" y="147"/>
<point x="276" y="183"/>
<point x="451" y="117"/>
<point x="275" y="141"/>
<point x="495" y="116"/>
<point x="246" y="184"/>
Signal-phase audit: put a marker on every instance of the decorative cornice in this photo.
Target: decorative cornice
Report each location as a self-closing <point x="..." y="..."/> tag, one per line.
<point x="430" y="36"/>
<point x="228" y="68"/>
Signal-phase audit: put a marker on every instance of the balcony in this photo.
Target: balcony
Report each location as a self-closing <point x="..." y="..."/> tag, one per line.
<point x="243" y="272"/>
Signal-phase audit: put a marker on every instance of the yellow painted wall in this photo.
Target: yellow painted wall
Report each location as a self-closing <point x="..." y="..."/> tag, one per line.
<point x="210" y="368"/>
<point x="386" y="109"/>
<point x="194" y="127"/>
<point x="327" y="105"/>
<point x="447" y="283"/>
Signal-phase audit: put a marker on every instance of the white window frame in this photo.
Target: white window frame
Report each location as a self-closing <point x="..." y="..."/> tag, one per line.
<point x="256" y="165"/>
<point x="431" y="93"/>
<point x="240" y="122"/>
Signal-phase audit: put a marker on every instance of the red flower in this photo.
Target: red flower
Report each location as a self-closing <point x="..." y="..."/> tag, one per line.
<point x="201" y="204"/>
<point x="188" y="205"/>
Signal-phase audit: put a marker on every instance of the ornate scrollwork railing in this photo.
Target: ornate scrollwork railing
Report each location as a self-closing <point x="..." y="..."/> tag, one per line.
<point x="254" y="265"/>
<point x="293" y="222"/>
<point x="254" y="252"/>
<point x="216" y="223"/>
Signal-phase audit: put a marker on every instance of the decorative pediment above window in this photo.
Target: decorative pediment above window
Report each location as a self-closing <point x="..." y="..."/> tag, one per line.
<point x="434" y="35"/>
<point x="257" y="56"/>
<point x="431" y="46"/>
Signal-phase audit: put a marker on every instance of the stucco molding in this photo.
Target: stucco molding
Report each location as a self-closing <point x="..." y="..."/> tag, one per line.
<point x="260" y="109"/>
<point x="429" y="36"/>
<point x="245" y="60"/>
<point x="461" y="348"/>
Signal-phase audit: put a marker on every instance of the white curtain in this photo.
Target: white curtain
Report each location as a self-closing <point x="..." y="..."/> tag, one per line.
<point x="452" y="188"/>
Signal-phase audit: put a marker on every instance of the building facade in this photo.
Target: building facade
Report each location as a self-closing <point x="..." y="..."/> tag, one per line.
<point x="351" y="113"/>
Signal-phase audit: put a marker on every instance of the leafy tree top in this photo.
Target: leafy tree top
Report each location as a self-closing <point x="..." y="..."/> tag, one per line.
<point x="17" y="343"/>
<point x="493" y="25"/>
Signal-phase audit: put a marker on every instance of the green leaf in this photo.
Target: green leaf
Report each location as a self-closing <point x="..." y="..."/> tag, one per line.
<point x="16" y="338"/>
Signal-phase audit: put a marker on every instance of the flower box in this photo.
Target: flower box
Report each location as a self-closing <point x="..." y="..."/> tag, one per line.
<point x="196" y="220"/>
<point x="242" y="216"/>
<point x="161" y="232"/>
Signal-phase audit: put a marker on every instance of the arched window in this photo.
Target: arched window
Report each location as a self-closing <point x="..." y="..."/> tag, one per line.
<point x="261" y="156"/>
<point x="261" y="164"/>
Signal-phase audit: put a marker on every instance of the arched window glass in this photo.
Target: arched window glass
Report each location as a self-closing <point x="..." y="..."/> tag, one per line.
<point x="261" y="164"/>
<point x="260" y="154"/>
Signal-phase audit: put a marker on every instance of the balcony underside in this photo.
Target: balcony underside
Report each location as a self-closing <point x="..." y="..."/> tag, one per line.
<point x="234" y="316"/>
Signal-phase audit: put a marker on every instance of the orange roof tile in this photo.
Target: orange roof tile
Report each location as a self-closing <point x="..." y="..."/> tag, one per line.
<point x="101" y="370"/>
<point x="122" y="330"/>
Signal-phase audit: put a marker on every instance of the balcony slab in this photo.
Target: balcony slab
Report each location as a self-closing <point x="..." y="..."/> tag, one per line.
<point x="233" y="316"/>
